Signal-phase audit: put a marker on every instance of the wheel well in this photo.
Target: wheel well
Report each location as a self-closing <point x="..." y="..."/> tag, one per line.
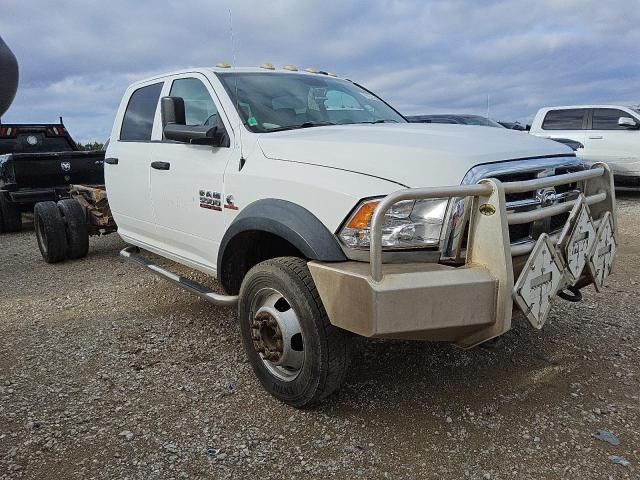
<point x="246" y="250"/>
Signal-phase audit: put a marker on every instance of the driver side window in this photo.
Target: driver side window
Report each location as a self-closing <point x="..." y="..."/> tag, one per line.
<point x="198" y="104"/>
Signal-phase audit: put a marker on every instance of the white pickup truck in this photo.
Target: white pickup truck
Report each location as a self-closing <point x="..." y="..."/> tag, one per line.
<point x="607" y="133"/>
<point x="323" y="214"/>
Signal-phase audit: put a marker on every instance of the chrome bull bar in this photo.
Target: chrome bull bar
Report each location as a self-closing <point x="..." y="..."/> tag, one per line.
<point x="488" y="243"/>
<point x="602" y="193"/>
<point x="387" y="202"/>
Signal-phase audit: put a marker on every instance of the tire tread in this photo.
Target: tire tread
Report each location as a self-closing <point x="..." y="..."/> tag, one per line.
<point x="339" y="341"/>
<point x="76" y="229"/>
<point x="48" y="214"/>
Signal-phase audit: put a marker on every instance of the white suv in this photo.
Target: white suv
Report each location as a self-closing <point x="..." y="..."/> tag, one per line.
<point x="609" y="133"/>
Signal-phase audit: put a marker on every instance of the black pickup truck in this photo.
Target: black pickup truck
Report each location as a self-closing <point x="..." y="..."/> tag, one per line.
<point x="39" y="163"/>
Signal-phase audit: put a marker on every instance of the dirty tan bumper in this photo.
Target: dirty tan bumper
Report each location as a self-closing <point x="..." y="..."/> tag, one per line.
<point x="473" y="303"/>
<point x="413" y="301"/>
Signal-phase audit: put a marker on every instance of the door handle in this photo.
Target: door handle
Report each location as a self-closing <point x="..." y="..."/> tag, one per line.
<point x="595" y="137"/>
<point x="111" y="161"/>
<point x="160" y="165"/>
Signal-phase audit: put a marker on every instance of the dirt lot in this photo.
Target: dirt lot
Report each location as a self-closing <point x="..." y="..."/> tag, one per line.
<point x="108" y="372"/>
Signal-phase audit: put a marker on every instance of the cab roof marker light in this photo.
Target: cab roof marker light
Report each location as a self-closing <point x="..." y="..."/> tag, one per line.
<point x="268" y="66"/>
<point x="312" y="70"/>
<point x="291" y="68"/>
<point x="223" y="65"/>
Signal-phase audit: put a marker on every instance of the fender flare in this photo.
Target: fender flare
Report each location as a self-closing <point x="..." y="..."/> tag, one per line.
<point x="289" y="221"/>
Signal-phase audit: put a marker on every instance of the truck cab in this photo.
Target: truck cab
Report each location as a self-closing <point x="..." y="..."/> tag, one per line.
<point x="323" y="213"/>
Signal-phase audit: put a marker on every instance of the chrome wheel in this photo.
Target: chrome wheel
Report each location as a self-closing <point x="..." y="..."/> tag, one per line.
<point x="276" y="334"/>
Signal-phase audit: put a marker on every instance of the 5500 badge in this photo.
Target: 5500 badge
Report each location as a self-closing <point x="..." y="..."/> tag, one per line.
<point x="212" y="201"/>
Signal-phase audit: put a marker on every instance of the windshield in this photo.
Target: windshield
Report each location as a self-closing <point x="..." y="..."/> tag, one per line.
<point x="269" y="102"/>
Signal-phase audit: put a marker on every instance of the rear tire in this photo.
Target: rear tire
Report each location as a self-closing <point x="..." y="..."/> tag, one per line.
<point x="298" y="356"/>
<point x="76" y="228"/>
<point x="10" y="215"/>
<point x="50" y="232"/>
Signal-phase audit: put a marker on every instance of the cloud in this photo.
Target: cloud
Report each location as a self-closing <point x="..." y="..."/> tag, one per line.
<point x="77" y="58"/>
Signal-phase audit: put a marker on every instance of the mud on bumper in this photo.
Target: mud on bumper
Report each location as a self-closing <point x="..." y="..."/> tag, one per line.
<point x="472" y="303"/>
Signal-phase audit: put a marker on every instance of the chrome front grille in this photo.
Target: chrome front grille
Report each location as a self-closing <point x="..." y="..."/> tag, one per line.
<point x="536" y="199"/>
<point x="520" y="204"/>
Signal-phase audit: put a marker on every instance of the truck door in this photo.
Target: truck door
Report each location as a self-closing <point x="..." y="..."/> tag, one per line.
<point x="187" y="185"/>
<point x="608" y="142"/>
<point x="126" y="166"/>
<point x="565" y="123"/>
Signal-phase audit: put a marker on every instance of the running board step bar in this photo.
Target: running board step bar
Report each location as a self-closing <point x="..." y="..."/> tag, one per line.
<point x="132" y="254"/>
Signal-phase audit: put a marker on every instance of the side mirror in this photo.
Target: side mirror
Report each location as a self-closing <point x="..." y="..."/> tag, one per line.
<point x="174" y="125"/>
<point x="172" y="110"/>
<point x="193" y="134"/>
<point x="628" y="122"/>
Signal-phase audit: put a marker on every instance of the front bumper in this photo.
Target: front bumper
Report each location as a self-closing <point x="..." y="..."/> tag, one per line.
<point x="627" y="182"/>
<point x="473" y="303"/>
<point x="625" y="167"/>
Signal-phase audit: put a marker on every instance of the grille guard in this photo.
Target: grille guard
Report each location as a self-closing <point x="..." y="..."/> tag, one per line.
<point x="488" y="243"/>
<point x="454" y="233"/>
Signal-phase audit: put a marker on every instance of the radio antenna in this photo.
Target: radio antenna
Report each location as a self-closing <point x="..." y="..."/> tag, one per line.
<point x="238" y="111"/>
<point x="488" y="105"/>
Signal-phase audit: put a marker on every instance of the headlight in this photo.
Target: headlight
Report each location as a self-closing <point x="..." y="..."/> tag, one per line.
<point x="408" y="224"/>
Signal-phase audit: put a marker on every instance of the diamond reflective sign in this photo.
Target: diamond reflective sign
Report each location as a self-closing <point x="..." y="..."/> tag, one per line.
<point x="604" y="252"/>
<point x="539" y="282"/>
<point x="577" y="238"/>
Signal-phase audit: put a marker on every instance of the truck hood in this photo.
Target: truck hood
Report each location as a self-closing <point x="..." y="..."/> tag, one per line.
<point x="412" y="155"/>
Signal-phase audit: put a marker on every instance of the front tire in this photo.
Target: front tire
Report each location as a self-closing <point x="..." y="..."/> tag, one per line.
<point x="298" y="356"/>
<point x="50" y="232"/>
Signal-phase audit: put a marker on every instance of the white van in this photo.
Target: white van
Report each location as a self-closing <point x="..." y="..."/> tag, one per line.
<point x="609" y="133"/>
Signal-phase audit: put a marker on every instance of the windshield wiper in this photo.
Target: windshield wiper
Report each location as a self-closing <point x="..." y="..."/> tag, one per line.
<point x="302" y="125"/>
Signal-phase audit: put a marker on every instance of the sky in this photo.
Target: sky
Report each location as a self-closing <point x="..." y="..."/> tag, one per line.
<point x="76" y="58"/>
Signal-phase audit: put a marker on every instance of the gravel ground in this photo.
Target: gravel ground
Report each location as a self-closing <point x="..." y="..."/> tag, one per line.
<point x="109" y="372"/>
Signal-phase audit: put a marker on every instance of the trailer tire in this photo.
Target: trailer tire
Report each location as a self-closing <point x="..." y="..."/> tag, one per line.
<point x="312" y="354"/>
<point x="76" y="228"/>
<point x="10" y="215"/>
<point x="50" y="232"/>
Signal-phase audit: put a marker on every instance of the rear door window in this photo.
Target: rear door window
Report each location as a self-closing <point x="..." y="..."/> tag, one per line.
<point x="141" y="110"/>
<point x="567" y="119"/>
<point x="607" y="119"/>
